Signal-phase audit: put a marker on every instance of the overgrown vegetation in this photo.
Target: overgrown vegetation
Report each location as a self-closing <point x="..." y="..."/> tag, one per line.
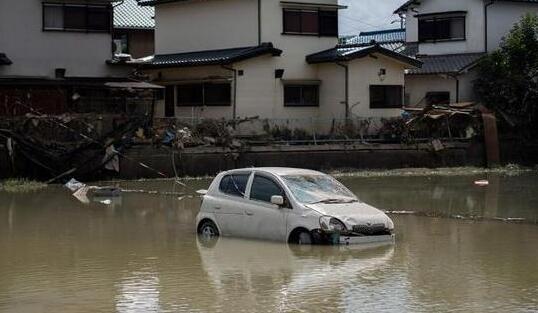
<point x="508" y="78"/>
<point x="21" y="185"/>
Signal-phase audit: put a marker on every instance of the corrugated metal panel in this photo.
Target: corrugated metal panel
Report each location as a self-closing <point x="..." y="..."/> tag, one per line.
<point x="131" y="15"/>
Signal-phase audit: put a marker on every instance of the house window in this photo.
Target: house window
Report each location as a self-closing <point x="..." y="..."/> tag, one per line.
<point x="76" y="17"/>
<point x="438" y="97"/>
<point x="301" y="95"/>
<point x="310" y="22"/>
<point x="386" y="96"/>
<point x="208" y="94"/>
<point x="121" y="43"/>
<point x="441" y="27"/>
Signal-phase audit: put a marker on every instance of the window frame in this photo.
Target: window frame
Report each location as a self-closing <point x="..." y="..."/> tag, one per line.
<point x="436" y="18"/>
<point x="274" y="181"/>
<point x="385" y="106"/>
<point x="204" y="103"/>
<point x="87" y="7"/>
<point x="247" y="174"/>
<point x="319" y="33"/>
<point x="299" y="85"/>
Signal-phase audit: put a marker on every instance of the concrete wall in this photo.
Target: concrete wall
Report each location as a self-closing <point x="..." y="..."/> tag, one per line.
<point x="501" y="18"/>
<point x="205" y="25"/>
<point x="474" y="26"/>
<point x="197" y="162"/>
<point x="35" y="52"/>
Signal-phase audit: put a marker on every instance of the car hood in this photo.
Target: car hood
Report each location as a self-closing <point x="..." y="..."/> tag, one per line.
<point x="355" y="213"/>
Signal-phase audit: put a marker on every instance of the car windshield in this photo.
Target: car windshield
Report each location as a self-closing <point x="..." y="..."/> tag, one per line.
<point x="318" y="188"/>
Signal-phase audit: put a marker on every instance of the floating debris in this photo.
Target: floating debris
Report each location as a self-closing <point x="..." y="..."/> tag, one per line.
<point x="481" y="182"/>
<point x="400" y="212"/>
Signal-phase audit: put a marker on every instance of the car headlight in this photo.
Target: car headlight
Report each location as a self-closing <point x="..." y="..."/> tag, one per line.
<point x="329" y="223"/>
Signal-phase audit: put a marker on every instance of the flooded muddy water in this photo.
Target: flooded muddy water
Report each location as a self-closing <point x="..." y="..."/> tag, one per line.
<point x="460" y="252"/>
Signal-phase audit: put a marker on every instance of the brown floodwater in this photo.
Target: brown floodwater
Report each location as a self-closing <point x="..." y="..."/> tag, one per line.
<point x="459" y="252"/>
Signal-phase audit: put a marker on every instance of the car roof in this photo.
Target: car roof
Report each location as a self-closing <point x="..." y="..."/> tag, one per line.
<point x="279" y="171"/>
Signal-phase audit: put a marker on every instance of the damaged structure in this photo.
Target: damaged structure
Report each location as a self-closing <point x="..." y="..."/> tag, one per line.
<point x="59" y="96"/>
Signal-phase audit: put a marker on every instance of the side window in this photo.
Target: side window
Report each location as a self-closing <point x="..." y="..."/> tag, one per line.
<point x="234" y="185"/>
<point x="264" y="188"/>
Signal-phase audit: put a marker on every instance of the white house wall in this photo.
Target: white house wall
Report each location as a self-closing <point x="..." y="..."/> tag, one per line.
<point x="501" y="18"/>
<point x="35" y="52"/>
<point x="205" y="25"/>
<point x="474" y="26"/>
<point x="417" y="86"/>
<point x="365" y="72"/>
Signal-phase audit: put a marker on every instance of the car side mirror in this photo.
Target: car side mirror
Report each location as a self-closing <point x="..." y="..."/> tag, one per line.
<point x="278" y="200"/>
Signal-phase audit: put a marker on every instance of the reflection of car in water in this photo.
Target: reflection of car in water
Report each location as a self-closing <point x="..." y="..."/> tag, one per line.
<point x="284" y="275"/>
<point x="293" y="205"/>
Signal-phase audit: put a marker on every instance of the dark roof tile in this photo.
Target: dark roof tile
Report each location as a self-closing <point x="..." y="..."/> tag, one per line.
<point x="344" y="53"/>
<point x="445" y="64"/>
<point x="212" y="57"/>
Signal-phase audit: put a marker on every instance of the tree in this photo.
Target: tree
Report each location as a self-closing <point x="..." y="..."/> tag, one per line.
<point x="508" y="78"/>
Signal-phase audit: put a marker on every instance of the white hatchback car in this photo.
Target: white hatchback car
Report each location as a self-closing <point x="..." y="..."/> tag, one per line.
<point x="287" y="204"/>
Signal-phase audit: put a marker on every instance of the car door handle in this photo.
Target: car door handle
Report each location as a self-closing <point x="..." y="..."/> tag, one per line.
<point x="250" y="213"/>
<point x="217" y="208"/>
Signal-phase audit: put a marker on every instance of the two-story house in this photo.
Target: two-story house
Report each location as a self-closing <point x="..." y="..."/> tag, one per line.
<point x="53" y="55"/>
<point x="449" y="37"/>
<point x="273" y="59"/>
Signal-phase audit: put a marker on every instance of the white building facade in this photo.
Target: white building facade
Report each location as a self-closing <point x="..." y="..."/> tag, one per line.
<point x="272" y="59"/>
<point x="449" y="37"/>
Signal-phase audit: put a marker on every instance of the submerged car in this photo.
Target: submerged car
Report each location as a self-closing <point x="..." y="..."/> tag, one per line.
<point x="286" y="204"/>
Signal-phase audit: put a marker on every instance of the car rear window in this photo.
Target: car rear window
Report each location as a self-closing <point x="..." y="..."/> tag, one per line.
<point x="264" y="188"/>
<point x="234" y="185"/>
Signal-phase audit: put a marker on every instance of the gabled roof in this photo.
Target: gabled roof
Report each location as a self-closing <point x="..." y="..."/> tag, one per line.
<point x="4" y="60"/>
<point x="212" y="57"/>
<point x="445" y="64"/>
<point x="404" y="7"/>
<point x="350" y="52"/>
<point x="379" y="36"/>
<point x="131" y="15"/>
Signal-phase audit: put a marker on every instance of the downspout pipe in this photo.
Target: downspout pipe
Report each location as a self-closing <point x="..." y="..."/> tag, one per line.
<point x="486" y="6"/>
<point x="346" y="70"/>
<point x="259" y="22"/>
<point x="234" y="101"/>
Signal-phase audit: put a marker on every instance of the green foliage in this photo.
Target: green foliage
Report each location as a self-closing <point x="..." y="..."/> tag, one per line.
<point x="508" y="77"/>
<point x="21" y="185"/>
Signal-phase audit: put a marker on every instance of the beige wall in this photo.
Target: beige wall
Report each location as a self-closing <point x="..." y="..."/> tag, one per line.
<point x="418" y="85"/>
<point x="35" y="52"/>
<point x="259" y="93"/>
<point x="205" y="25"/>
<point x="362" y="74"/>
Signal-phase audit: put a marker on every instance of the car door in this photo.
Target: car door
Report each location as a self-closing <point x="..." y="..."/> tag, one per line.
<point x="230" y="206"/>
<point x="264" y="220"/>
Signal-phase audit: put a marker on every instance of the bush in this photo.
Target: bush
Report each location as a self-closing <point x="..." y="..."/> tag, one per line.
<point x="508" y="78"/>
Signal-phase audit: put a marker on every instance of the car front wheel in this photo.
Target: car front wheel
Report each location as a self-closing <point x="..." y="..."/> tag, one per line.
<point x="208" y="230"/>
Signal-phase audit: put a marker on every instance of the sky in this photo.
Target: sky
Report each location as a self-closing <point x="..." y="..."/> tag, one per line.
<point x="365" y="15"/>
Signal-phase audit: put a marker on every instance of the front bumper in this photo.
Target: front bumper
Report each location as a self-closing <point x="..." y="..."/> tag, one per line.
<point x="355" y="240"/>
